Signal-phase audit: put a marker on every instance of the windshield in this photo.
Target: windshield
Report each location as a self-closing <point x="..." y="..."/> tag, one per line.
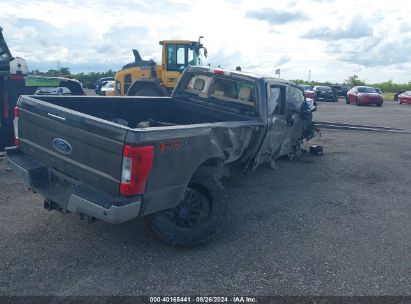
<point x="195" y="57"/>
<point x="366" y="90"/>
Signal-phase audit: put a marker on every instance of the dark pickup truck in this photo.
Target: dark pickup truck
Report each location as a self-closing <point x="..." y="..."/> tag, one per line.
<point x="161" y="158"/>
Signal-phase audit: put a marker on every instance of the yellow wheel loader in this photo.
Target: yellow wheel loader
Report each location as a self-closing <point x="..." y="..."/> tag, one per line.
<point x="146" y="78"/>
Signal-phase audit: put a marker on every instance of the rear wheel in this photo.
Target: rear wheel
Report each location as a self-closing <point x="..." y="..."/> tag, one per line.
<point x="198" y="218"/>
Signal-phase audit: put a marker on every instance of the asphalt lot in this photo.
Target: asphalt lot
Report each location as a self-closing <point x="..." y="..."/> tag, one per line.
<point x="339" y="224"/>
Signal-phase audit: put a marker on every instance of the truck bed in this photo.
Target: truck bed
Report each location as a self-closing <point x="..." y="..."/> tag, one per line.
<point x="97" y="128"/>
<point x="143" y="112"/>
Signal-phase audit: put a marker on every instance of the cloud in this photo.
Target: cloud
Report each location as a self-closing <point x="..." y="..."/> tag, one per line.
<point x="281" y="61"/>
<point x="405" y="28"/>
<point x="357" y="28"/>
<point x="276" y="17"/>
<point x="123" y="38"/>
<point x="382" y="53"/>
<point x="257" y="35"/>
<point x="226" y="59"/>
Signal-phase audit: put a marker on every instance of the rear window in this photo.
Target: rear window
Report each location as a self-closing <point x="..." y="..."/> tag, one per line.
<point x="325" y="89"/>
<point x="366" y="90"/>
<point x="230" y="90"/>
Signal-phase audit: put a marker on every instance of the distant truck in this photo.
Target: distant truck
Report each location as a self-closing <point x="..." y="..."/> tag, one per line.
<point x="161" y="158"/>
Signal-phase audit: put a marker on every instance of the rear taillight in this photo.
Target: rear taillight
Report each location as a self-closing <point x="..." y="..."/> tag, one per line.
<point x="137" y="163"/>
<point x="16" y="125"/>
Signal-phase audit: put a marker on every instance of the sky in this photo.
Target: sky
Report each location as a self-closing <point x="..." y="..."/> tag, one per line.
<point x="333" y="39"/>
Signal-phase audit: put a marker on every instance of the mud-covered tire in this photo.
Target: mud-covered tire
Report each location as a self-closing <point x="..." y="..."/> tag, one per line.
<point x="173" y="226"/>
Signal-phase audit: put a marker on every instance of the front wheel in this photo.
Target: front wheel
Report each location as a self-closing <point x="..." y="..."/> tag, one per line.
<point x="198" y="218"/>
<point x="347" y="101"/>
<point x="357" y="103"/>
<point x="379" y="105"/>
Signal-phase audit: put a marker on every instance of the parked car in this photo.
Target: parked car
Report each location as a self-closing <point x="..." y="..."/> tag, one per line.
<point x="340" y="89"/>
<point x="160" y="158"/>
<point x="52" y="91"/>
<point x="362" y="95"/>
<point x="405" y="97"/>
<point x="324" y="93"/>
<point x="308" y="91"/>
<point x="107" y="88"/>
<point x="101" y="82"/>
<point x="398" y="93"/>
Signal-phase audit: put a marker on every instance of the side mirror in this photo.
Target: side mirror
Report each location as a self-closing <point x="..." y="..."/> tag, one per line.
<point x="205" y="52"/>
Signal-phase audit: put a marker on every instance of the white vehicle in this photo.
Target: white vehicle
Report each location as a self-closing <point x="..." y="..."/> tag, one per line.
<point x="52" y="91"/>
<point x="107" y="88"/>
<point x="18" y="66"/>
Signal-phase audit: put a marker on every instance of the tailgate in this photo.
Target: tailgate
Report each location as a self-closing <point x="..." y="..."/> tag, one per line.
<point x="83" y="147"/>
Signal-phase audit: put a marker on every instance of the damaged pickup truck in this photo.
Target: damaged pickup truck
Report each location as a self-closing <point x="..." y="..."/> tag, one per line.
<point x="161" y="158"/>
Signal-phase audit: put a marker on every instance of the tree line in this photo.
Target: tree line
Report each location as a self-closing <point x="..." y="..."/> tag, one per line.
<point x="90" y="79"/>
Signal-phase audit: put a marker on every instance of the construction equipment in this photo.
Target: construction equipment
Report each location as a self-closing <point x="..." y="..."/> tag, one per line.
<point x="146" y="78"/>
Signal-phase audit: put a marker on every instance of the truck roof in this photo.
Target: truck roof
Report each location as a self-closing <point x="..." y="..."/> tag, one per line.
<point x="227" y="72"/>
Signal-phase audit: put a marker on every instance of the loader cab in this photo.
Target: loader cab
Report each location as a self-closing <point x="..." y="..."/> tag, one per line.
<point x="176" y="56"/>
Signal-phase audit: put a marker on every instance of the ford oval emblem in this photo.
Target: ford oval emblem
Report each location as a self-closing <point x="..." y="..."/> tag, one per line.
<point x="62" y="146"/>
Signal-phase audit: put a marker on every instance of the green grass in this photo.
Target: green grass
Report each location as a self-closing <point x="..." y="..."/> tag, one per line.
<point x="388" y="96"/>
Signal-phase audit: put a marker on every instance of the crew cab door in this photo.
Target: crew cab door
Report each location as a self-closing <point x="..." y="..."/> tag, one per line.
<point x="284" y="125"/>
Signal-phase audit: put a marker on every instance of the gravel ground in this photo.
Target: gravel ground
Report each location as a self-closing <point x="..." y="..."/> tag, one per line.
<point x="339" y="224"/>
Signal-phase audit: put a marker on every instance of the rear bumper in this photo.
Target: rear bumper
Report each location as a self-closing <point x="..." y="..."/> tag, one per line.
<point x="369" y="101"/>
<point x="76" y="198"/>
<point x="326" y="98"/>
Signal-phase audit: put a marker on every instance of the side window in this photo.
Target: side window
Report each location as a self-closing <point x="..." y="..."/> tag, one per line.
<point x="294" y="100"/>
<point x="127" y="82"/>
<point x="180" y="55"/>
<point x="275" y="98"/>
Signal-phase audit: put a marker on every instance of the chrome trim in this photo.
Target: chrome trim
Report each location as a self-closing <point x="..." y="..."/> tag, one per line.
<point x="55" y="116"/>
